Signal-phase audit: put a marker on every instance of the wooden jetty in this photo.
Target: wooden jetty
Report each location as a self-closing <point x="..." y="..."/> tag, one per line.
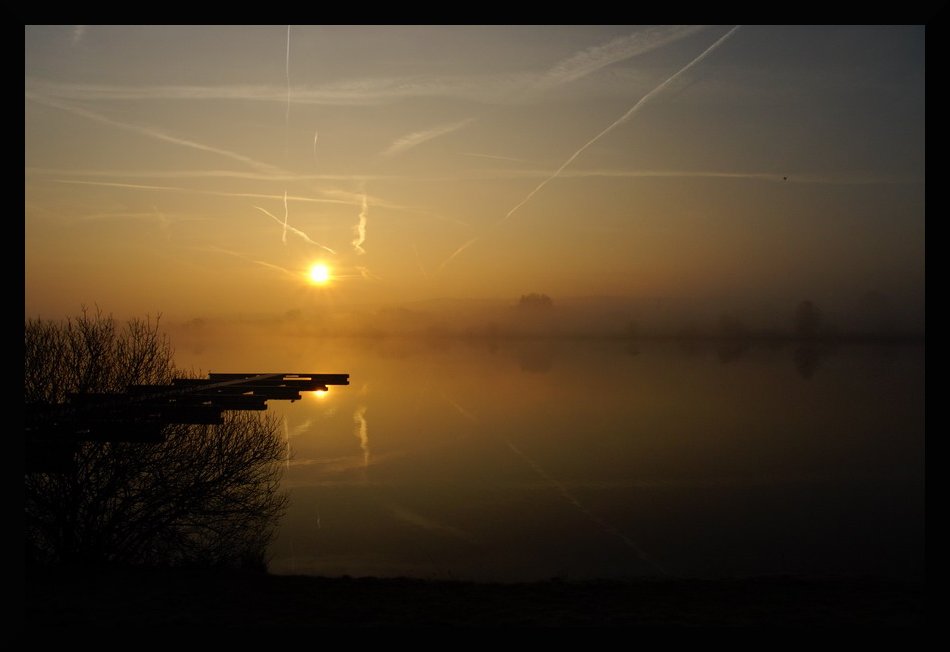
<point x="140" y="413"/>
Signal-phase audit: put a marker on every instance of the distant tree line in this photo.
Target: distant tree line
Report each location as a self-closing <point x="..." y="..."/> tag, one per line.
<point x="535" y="301"/>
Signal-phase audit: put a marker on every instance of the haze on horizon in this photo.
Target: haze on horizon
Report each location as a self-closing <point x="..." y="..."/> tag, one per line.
<point x="202" y="171"/>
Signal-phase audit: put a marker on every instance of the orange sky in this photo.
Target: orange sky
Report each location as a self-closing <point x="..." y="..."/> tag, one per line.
<point x="470" y="162"/>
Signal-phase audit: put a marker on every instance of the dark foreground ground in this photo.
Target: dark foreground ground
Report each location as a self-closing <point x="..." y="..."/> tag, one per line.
<point x="110" y="598"/>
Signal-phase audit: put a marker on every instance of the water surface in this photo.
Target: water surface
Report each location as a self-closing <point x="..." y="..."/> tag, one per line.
<point x="532" y="459"/>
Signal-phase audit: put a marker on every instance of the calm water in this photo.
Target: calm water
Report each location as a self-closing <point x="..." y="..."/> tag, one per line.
<point x="575" y="459"/>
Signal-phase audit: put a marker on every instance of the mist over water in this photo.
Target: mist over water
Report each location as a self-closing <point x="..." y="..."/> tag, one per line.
<point x="530" y="458"/>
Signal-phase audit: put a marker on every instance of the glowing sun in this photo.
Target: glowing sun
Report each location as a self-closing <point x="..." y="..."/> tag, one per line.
<point x="319" y="274"/>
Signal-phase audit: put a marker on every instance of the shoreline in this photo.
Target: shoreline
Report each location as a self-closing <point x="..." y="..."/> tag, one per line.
<point x="140" y="597"/>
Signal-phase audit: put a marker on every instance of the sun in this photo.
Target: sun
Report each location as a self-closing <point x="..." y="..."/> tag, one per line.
<point x="319" y="274"/>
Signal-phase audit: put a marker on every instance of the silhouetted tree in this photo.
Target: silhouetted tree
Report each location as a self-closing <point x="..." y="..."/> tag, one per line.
<point x="205" y="495"/>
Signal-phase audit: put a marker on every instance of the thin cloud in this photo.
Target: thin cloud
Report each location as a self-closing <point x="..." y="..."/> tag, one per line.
<point x="367" y="275"/>
<point x="331" y="196"/>
<point x="217" y="193"/>
<point x="211" y="174"/>
<point x="355" y="198"/>
<point x="407" y="142"/>
<point x="359" y="92"/>
<point x="785" y="177"/>
<point x="359" y="230"/>
<point x="594" y="58"/>
<point x="360" y="431"/>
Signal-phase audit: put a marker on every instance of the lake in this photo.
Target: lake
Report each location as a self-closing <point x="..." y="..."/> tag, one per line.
<point x="527" y="459"/>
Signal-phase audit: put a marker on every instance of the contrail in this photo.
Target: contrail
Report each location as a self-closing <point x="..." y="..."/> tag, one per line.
<point x="465" y="413"/>
<point x="414" y="518"/>
<point x="272" y="266"/>
<point x="315" y="133"/>
<point x="604" y="525"/>
<point x="360" y="228"/>
<point x="152" y="133"/>
<point x="294" y="230"/>
<point x="216" y="193"/>
<point x="163" y="220"/>
<point x="283" y="237"/>
<point x="287" y="68"/>
<point x="457" y="252"/>
<point x="78" y="32"/>
<point x="409" y="141"/>
<point x="133" y="186"/>
<point x="626" y="116"/>
<point x="252" y="260"/>
<point x="492" y="156"/>
<point x="372" y="91"/>
<point x="200" y="174"/>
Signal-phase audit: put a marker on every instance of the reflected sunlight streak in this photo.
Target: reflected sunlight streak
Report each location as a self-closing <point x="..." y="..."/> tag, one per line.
<point x="360" y="432"/>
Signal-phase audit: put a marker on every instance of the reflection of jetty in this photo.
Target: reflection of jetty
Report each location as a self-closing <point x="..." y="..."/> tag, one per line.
<point x="142" y="411"/>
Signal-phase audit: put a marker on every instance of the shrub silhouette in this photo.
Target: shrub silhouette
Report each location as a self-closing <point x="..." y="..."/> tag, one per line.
<point x="205" y="495"/>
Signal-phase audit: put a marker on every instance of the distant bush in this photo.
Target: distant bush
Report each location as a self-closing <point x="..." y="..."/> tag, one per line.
<point x="535" y="301"/>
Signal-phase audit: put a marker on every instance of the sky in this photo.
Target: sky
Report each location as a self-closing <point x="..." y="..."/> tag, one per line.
<point x="202" y="171"/>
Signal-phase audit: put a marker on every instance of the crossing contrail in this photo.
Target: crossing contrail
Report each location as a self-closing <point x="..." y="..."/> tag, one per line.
<point x="626" y="116"/>
<point x="292" y="229"/>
